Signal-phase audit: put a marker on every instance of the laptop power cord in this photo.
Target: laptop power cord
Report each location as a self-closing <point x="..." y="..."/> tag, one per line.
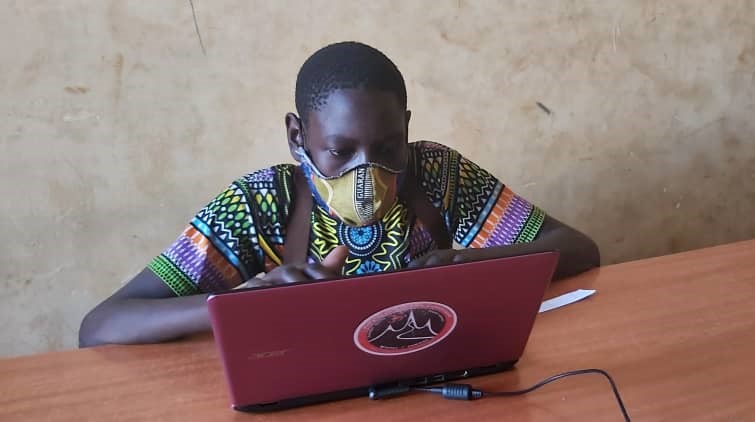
<point x="466" y="392"/>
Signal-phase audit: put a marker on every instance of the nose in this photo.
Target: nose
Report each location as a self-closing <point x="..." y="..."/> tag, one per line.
<point x="365" y="156"/>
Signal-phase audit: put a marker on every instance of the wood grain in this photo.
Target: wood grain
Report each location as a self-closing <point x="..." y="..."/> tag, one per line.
<point x="676" y="332"/>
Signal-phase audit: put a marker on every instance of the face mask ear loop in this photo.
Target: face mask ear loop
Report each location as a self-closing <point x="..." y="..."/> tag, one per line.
<point x="303" y="152"/>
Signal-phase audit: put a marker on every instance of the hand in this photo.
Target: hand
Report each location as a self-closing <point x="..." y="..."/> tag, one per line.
<point x="442" y="257"/>
<point x="330" y="267"/>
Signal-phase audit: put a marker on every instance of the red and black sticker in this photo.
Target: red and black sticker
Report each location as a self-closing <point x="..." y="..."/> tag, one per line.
<point x="405" y="328"/>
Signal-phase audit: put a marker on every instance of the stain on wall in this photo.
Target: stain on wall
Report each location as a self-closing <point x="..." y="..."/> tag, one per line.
<point x="633" y="121"/>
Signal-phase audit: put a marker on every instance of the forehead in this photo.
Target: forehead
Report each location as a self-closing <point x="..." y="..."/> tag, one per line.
<point x="357" y="114"/>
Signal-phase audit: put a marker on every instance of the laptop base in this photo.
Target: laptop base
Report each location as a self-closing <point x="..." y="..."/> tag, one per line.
<point x="364" y="391"/>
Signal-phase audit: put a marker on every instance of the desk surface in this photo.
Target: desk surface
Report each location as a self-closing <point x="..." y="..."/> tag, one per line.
<point x="676" y="332"/>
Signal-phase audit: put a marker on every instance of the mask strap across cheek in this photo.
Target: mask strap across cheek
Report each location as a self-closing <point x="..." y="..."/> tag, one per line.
<point x="306" y="162"/>
<point x="304" y="155"/>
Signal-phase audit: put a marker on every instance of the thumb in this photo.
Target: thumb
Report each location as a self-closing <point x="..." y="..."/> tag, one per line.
<point x="336" y="259"/>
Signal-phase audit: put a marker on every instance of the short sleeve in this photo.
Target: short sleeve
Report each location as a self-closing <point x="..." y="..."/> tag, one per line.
<point x="479" y="209"/>
<point x="213" y="253"/>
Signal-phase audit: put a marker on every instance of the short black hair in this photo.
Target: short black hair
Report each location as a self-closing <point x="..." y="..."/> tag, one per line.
<point x="345" y="65"/>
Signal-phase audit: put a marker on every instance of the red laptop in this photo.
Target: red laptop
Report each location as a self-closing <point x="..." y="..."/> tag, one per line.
<point x="318" y="341"/>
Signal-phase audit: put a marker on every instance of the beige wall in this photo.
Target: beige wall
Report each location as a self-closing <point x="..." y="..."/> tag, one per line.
<point x="116" y="127"/>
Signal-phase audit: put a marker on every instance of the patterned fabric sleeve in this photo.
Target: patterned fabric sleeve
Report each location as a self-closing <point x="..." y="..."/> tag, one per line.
<point x="479" y="210"/>
<point x="211" y="255"/>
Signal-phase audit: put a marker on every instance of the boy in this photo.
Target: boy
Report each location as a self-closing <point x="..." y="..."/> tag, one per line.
<point x="362" y="199"/>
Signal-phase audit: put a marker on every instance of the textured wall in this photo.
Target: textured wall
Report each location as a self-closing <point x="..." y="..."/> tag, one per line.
<point x="115" y="127"/>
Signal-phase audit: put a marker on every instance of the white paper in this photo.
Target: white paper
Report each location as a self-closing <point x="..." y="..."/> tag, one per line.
<point x="565" y="299"/>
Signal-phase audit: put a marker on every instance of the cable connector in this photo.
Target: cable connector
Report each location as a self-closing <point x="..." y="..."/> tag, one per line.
<point x="454" y="391"/>
<point x="383" y="392"/>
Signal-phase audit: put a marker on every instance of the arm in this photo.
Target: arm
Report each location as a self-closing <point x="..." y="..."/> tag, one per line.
<point x="167" y="299"/>
<point x="145" y="310"/>
<point x="492" y="221"/>
<point x="578" y="253"/>
<point x="214" y="253"/>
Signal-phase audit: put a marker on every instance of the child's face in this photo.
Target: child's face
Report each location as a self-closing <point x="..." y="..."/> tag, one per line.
<point x="354" y="127"/>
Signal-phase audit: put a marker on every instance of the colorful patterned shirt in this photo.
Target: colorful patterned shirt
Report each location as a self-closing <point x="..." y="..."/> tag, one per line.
<point x="241" y="232"/>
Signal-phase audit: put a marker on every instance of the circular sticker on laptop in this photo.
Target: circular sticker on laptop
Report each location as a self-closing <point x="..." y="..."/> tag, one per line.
<point x="405" y="328"/>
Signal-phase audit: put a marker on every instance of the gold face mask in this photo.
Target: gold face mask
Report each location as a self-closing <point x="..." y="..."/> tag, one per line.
<point x="359" y="196"/>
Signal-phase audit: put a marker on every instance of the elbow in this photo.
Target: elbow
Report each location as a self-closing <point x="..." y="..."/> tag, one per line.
<point x="593" y="254"/>
<point x="88" y="332"/>
<point x="589" y="255"/>
<point x="582" y="257"/>
<point x="86" y="341"/>
<point x="92" y="331"/>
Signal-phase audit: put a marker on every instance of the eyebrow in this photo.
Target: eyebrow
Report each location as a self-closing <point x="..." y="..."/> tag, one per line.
<point x="339" y="140"/>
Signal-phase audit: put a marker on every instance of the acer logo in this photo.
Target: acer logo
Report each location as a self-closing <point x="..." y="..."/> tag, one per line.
<point x="269" y="354"/>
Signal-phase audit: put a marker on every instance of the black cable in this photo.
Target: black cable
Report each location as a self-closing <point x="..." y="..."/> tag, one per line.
<point x="466" y="392"/>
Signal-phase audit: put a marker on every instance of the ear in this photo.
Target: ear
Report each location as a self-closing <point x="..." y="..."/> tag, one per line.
<point x="294" y="134"/>
<point x="408" y="116"/>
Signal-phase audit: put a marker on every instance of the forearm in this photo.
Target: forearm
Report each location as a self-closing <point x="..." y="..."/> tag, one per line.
<point x="132" y="321"/>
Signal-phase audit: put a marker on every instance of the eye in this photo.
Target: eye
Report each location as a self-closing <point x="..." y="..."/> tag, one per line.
<point x="340" y="153"/>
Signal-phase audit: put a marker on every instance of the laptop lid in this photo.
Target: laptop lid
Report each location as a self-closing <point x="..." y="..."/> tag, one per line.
<point x="307" y="342"/>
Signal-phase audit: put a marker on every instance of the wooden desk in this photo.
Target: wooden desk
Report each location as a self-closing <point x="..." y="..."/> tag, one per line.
<point x="676" y="332"/>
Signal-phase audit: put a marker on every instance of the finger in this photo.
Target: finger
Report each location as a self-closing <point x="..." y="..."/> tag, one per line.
<point x="294" y="275"/>
<point x="459" y="258"/>
<point x="435" y="259"/>
<point x="318" y="271"/>
<point x="416" y="263"/>
<point x="336" y="259"/>
<point x="286" y="274"/>
<point x="252" y="283"/>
